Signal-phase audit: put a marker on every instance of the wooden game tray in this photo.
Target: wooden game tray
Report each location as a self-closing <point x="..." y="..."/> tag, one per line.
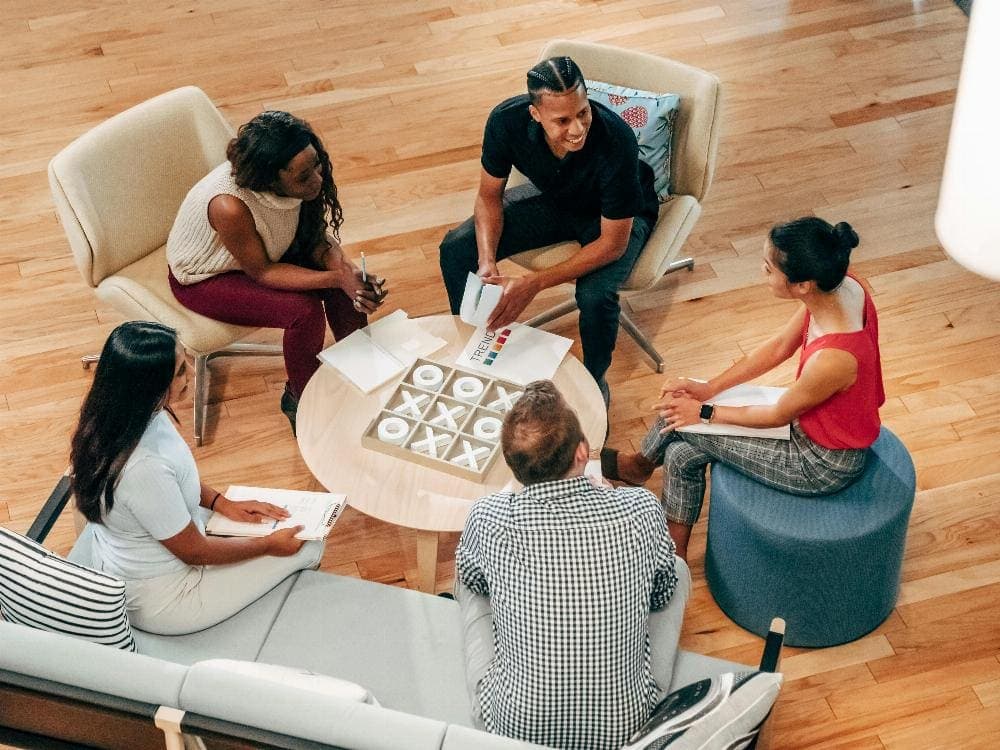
<point x="461" y="409"/>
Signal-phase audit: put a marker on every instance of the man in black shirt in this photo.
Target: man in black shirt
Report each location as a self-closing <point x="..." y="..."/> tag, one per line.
<point x="587" y="184"/>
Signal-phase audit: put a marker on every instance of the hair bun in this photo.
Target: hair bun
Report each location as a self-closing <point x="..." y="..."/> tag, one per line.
<point x="847" y="238"/>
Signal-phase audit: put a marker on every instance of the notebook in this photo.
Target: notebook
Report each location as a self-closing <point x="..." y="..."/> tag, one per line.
<point x="373" y="355"/>
<point x="744" y="395"/>
<point x="317" y="512"/>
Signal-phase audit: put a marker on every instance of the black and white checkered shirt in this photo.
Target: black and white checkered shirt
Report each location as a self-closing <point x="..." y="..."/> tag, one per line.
<point x="572" y="572"/>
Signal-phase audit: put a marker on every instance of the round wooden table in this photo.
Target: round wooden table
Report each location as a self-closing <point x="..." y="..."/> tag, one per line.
<point x="333" y="414"/>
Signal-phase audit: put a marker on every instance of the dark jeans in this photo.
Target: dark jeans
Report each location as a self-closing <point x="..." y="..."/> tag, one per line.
<point x="530" y="220"/>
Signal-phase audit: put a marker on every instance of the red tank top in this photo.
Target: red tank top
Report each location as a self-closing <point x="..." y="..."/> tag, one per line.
<point x="848" y="419"/>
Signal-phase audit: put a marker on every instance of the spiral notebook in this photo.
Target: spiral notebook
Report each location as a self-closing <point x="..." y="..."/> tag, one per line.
<point x="317" y="512"/>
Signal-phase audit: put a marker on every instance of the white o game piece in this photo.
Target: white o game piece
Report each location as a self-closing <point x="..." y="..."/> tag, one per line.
<point x="428" y="376"/>
<point x="393" y="430"/>
<point x="487" y="428"/>
<point x="467" y="388"/>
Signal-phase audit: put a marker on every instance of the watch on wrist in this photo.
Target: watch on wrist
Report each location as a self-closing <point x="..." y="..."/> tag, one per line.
<point x="706" y="413"/>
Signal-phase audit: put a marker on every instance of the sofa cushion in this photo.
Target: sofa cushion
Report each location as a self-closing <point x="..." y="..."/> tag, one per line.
<point x="82" y="664"/>
<point x="42" y="590"/>
<point x="651" y="116"/>
<point x="404" y="646"/>
<point x="238" y="637"/>
<point x="723" y="711"/>
<point x="300" y="711"/>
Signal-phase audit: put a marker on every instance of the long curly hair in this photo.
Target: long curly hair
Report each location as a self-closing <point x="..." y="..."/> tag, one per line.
<point x="262" y="148"/>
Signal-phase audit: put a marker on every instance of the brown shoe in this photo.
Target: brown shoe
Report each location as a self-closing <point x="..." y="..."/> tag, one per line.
<point x="630" y="468"/>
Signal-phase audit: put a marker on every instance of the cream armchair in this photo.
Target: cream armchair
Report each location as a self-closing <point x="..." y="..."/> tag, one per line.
<point x="696" y="140"/>
<point x="117" y="189"/>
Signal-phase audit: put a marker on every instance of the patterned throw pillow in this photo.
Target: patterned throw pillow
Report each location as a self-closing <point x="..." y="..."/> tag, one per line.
<point x="652" y="118"/>
<point x="42" y="590"/>
<point x="723" y="711"/>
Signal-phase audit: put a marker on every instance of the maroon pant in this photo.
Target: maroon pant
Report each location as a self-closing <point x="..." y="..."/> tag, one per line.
<point x="237" y="299"/>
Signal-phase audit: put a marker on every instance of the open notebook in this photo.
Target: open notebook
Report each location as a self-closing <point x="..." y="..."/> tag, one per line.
<point x="746" y="394"/>
<point x="317" y="512"/>
<point x="373" y="355"/>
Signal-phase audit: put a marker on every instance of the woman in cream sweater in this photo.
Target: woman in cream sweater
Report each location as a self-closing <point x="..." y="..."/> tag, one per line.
<point x="255" y="243"/>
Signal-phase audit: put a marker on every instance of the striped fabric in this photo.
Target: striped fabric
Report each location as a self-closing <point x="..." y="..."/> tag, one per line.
<point x="41" y="590"/>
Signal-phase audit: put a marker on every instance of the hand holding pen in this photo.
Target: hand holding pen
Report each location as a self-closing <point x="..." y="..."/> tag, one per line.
<point x="371" y="293"/>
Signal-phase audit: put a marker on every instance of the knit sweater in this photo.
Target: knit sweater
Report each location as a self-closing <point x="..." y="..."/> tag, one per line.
<point x="195" y="251"/>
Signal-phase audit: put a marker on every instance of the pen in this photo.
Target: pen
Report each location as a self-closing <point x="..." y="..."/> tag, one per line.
<point x="364" y="270"/>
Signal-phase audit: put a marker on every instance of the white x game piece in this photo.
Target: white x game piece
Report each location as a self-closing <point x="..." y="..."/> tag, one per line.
<point x="412" y="403"/>
<point x="447" y="416"/>
<point x="505" y="400"/>
<point x="429" y="444"/>
<point x="470" y="456"/>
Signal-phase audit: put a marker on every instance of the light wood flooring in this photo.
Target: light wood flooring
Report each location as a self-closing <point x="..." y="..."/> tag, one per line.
<point x="834" y="107"/>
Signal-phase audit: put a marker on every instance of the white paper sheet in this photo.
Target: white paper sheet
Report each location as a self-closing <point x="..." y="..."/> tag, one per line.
<point x="374" y="355"/>
<point x="479" y="301"/>
<point x="516" y="352"/>
<point x="745" y="395"/>
<point x="316" y="511"/>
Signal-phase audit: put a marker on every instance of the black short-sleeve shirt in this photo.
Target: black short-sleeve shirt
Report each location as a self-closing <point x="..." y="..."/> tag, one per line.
<point x="605" y="177"/>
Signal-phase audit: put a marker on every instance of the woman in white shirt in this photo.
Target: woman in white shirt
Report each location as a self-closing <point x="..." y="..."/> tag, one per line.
<point x="135" y="480"/>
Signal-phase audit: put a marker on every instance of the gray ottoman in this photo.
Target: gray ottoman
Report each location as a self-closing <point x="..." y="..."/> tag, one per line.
<point x="828" y="565"/>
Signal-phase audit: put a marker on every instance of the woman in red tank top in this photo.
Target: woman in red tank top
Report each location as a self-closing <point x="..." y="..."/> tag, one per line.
<point x="832" y="407"/>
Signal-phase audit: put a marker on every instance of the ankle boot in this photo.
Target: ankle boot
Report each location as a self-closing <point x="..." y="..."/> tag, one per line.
<point x="289" y="405"/>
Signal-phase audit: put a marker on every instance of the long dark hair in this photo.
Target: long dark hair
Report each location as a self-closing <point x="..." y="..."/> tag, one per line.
<point x="557" y="75"/>
<point x="810" y="249"/>
<point x="261" y="149"/>
<point x="130" y="384"/>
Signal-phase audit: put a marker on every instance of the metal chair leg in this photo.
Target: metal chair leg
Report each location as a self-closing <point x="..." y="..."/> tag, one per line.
<point x="639" y="337"/>
<point x="563" y="308"/>
<point x="239" y="349"/>
<point x="200" y="395"/>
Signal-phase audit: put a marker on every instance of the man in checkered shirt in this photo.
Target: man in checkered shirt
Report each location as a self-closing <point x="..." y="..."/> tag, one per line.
<point x="572" y="571"/>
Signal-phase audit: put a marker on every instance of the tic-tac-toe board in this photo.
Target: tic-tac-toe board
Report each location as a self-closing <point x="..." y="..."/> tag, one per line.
<point x="444" y="417"/>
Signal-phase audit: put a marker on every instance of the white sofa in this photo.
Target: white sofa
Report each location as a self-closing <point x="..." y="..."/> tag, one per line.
<point x="405" y="647"/>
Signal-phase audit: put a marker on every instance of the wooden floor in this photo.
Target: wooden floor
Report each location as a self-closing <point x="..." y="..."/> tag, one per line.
<point x="831" y="107"/>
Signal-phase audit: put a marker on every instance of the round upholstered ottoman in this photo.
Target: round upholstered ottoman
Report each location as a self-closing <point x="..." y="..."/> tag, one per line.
<point x="828" y="565"/>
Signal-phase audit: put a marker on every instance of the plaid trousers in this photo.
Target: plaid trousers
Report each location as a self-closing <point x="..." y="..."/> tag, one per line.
<point x="798" y="466"/>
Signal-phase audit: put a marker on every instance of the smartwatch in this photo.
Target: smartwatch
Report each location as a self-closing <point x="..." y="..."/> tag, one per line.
<point x="706" y="413"/>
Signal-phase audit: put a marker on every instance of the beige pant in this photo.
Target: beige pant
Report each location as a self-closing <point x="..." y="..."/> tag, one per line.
<point x="203" y="596"/>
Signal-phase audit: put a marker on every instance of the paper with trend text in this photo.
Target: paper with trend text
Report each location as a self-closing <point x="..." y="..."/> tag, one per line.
<point x="316" y="512"/>
<point x="514" y="352"/>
